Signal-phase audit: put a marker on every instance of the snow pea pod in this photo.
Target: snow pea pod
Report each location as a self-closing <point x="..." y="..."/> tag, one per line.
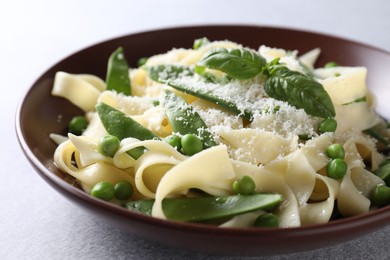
<point x="122" y="126"/>
<point x="169" y="73"/>
<point x="118" y="73"/>
<point x="374" y="133"/>
<point x="185" y="120"/>
<point x="208" y="208"/>
<point x="209" y="96"/>
<point x="383" y="172"/>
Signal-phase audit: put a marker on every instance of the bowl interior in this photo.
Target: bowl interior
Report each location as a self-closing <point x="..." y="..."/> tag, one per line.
<point x="41" y="114"/>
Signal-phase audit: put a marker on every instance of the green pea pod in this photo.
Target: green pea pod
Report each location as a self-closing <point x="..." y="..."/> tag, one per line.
<point x="209" y="96"/>
<point x="164" y="73"/>
<point x="122" y="126"/>
<point x="374" y="133"/>
<point x="383" y="172"/>
<point x="118" y="73"/>
<point x="208" y="208"/>
<point x="169" y="73"/>
<point x="185" y="120"/>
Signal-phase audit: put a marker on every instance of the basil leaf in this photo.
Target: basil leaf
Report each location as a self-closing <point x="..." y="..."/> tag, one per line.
<point x="237" y="63"/>
<point x="300" y="91"/>
<point x="164" y="73"/>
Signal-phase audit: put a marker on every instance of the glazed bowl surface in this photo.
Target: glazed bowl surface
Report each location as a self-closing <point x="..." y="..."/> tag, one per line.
<point x="39" y="113"/>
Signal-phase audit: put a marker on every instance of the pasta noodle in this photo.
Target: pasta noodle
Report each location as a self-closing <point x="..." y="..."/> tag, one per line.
<point x="279" y="147"/>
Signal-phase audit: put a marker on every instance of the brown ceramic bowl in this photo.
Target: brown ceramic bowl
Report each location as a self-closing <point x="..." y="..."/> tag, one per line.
<point x="38" y="113"/>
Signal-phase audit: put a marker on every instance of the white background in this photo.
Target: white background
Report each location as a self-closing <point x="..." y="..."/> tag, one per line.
<point x="35" y="221"/>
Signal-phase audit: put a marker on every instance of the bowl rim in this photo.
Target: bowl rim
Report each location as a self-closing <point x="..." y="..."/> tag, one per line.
<point x="230" y="25"/>
<point x="340" y="224"/>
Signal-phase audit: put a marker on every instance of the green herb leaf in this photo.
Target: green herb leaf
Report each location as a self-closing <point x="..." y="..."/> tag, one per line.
<point x="238" y="63"/>
<point x="300" y="91"/>
<point x="118" y="73"/>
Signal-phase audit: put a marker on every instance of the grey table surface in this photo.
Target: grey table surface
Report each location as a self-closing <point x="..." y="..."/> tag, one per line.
<point x="38" y="223"/>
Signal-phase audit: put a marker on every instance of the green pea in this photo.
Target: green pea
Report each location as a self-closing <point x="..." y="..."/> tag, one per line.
<point x="108" y="145"/>
<point x="103" y="190"/>
<point x="191" y="144"/>
<point x="327" y="125"/>
<point x="267" y="220"/>
<point x="331" y="64"/>
<point x="380" y="196"/>
<point x="336" y="168"/>
<point x="244" y="185"/>
<point x="174" y="141"/>
<point x="123" y="190"/>
<point x="77" y="125"/>
<point x="142" y="61"/>
<point x="335" y="151"/>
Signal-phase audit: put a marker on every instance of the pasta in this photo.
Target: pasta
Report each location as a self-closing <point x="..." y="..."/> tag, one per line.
<point x="244" y="130"/>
